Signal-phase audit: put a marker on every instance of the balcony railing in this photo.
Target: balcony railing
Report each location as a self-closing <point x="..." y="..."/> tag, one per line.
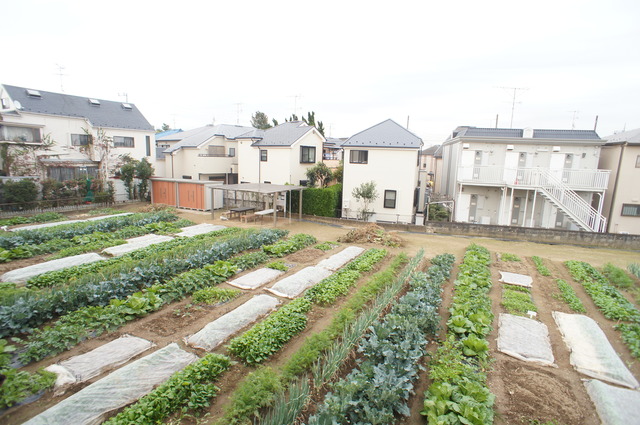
<point x="216" y="155"/>
<point x="580" y="179"/>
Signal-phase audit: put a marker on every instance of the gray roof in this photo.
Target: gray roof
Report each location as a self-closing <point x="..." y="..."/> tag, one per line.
<point x="285" y="134"/>
<point x="197" y="136"/>
<point x="387" y="134"/>
<point x="431" y="150"/>
<point x="631" y="136"/>
<point x="518" y="133"/>
<point x="107" y="114"/>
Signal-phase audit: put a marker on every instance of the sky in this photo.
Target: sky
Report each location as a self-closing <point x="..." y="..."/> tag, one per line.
<point x="430" y="65"/>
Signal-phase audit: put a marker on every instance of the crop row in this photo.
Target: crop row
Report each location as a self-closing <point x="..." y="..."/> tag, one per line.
<point x="379" y="388"/>
<point x="267" y="337"/>
<point x="38" y="218"/>
<point x="264" y="387"/>
<point x="32" y="309"/>
<point x="459" y="394"/>
<point x="11" y="240"/>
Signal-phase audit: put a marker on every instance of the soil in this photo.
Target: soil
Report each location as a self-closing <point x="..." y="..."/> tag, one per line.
<point x="524" y="392"/>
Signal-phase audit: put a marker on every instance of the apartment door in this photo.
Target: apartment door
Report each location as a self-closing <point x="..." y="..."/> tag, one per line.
<point x="510" y="166"/>
<point x="568" y="166"/>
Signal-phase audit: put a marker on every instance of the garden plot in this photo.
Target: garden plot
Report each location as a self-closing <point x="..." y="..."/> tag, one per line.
<point x="199" y="229"/>
<point x="615" y="406"/>
<point x="25" y="273"/>
<point x="216" y="332"/>
<point x="136" y="243"/>
<point x="125" y="385"/>
<point x="81" y="368"/>
<point x="525" y="339"/>
<point x="294" y="285"/>
<point x="341" y="258"/>
<point x="591" y="352"/>
<point x="256" y="278"/>
<point x="59" y="223"/>
<point x="516" y="279"/>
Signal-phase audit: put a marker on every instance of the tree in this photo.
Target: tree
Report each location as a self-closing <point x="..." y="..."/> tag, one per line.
<point x="311" y="120"/>
<point x="339" y="172"/>
<point x="144" y="171"/>
<point x="260" y="120"/>
<point x="293" y="117"/>
<point x="275" y="122"/>
<point x="127" y="174"/>
<point x="165" y="127"/>
<point x="367" y="193"/>
<point x="320" y="174"/>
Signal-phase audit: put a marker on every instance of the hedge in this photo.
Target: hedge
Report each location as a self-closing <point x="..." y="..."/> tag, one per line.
<point x="322" y="202"/>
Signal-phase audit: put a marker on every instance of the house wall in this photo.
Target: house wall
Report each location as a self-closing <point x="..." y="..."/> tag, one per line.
<point x="187" y="162"/>
<point x="390" y="169"/>
<point x="627" y="177"/>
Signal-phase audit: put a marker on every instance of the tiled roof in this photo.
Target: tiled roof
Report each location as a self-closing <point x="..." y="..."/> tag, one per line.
<point x="197" y="136"/>
<point x="519" y="133"/>
<point x="103" y="113"/>
<point x="566" y="134"/>
<point x="387" y="134"/>
<point x="631" y="136"/>
<point x="285" y="134"/>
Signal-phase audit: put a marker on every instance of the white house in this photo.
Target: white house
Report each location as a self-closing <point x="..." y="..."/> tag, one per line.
<point x="386" y="154"/>
<point x="204" y="153"/>
<point x="64" y="137"/>
<point x="525" y="177"/>
<point x="621" y="154"/>
<point x="279" y="155"/>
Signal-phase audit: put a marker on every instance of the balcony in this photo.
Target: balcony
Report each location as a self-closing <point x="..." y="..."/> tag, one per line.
<point x="578" y="179"/>
<point x="216" y="155"/>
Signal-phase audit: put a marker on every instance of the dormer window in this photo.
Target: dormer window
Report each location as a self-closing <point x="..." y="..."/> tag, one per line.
<point x="94" y="102"/>
<point x="34" y="93"/>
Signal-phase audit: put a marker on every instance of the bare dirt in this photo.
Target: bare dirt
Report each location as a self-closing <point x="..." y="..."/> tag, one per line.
<point x="524" y="392"/>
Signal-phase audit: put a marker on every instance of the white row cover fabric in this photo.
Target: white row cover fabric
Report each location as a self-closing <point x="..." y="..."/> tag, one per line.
<point x="525" y="339"/>
<point x="294" y="285"/>
<point x="199" y="229"/>
<point x="256" y="278"/>
<point x="58" y="223"/>
<point x="591" y="352"/>
<point x="615" y="406"/>
<point x="92" y="404"/>
<point x="25" y="273"/>
<point x="341" y="258"/>
<point x="136" y="243"/>
<point x="216" y="332"/>
<point x="516" y="279"/>
<point x="83" y="367"/>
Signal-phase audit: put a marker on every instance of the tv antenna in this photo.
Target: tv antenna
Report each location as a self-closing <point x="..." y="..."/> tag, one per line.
<point x="125" y="95"/>
<point x="295" y="103"/>
<point x="238" y="110"/>
<point x="60" y="74"/>
<point x="573" y="121"/>
<point x="513" y="100"/>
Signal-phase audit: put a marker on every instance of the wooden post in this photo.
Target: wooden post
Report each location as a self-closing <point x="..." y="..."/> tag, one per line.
<point x="300" y="206"/>
<point x="275" y="209"/>
<point x="212" y="201"/>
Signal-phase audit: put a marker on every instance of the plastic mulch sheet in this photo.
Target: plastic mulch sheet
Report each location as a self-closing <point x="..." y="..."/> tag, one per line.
<point x="199" y="229"/>
<point x="216" y="332"/>
<point x="136" y="243"/>
<point x="124" y="386"/>
<point x="108" y="356"/>
<point x="256" y="278"/>
<point x="525" y="339"/>
<point x="615" y="406"/>
<point x="516" y="279"/>
<point x="591" y="353"/>
<point x="25" y="273"/>
<point x="341" y="258"/>
<point x="294" y="285"/>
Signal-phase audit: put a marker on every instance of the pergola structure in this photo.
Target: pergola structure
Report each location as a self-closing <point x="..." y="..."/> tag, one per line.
<point x="274" y="190"/>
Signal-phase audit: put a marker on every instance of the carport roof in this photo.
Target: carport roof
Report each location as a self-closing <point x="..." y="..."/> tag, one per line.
<point x="265" y="188"/>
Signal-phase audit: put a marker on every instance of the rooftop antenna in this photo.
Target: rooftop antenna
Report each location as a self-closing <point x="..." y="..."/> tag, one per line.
<point x="125" y="95"/>
<point x="513" y="101"/>
<point x="238" y="110"/>
<point x="295" y="103"/>
<point x="573" y="121"/>
<point x="60" y="74"/>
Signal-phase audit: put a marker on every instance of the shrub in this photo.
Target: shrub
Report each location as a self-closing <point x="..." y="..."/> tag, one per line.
<point x="321" y="202"/>
<point x="22" y="192"/>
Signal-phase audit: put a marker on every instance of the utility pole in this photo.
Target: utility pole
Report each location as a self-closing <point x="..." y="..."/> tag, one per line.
<point x="513" y="100"/>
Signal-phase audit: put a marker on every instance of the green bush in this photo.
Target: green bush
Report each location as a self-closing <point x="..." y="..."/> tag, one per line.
<point x="321" y="202"/>
<point x="22" y="192"/>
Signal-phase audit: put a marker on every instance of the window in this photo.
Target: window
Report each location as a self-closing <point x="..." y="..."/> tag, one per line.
<point x="122" y="142"/>
<point x="263" y="155"/>
<point x="186" y="177"/>
<point x="71" y="173"/>
<point x="389" y="198"/>
<point x="79" y="139"/>
<point x="359" y="157"/>
<point x="94" y="102"/>
<point x="304" y="182"/>
<point x="307" y="155"/>
<point x="232" y="152"/>
<point x="147" y="140"/>
<point x="638" y="161"/>
<point x="631" y="210"/>
<point x="19" y="134"/>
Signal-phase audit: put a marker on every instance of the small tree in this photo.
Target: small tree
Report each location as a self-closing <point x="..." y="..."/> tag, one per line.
<point x="144" y="171"/>
<point x="260" y="120"/>
<point x="320" y="174"/>
<point x="127" y="174"/>
<point x="367" y="193"/>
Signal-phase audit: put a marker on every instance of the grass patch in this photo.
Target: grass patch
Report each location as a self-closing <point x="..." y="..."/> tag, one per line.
<point x="517" y="302"/>
<point x="617" y="276"/>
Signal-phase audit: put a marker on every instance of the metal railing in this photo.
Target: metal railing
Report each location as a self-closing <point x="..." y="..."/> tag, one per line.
<point x="579" y="179"/>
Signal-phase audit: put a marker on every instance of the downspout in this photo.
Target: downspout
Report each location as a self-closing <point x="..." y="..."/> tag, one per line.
<point x="615" y="185"/>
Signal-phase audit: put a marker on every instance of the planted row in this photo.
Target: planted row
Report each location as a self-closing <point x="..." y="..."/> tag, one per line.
<point x="38" y="218"/>
<point x="379" y="388"/>
<point x="32" y="309"/>
<point x="459" y="393"/>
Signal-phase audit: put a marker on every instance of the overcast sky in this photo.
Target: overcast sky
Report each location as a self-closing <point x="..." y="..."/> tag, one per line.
<point x="355" y="63"/>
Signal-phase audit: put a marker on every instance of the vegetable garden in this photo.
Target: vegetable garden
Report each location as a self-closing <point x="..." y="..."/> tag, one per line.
<point x="396" y="335"/>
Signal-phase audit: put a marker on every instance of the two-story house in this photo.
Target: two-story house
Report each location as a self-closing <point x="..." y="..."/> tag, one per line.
<point x="525" y="177"/>
<point x="386" y="154"/>
<point x="60" y="136"/>
<point x="621" y="154"/>
<point x="279" y="155"/>
<point x="204" y="153"/>
<point x="430" y="173"/>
